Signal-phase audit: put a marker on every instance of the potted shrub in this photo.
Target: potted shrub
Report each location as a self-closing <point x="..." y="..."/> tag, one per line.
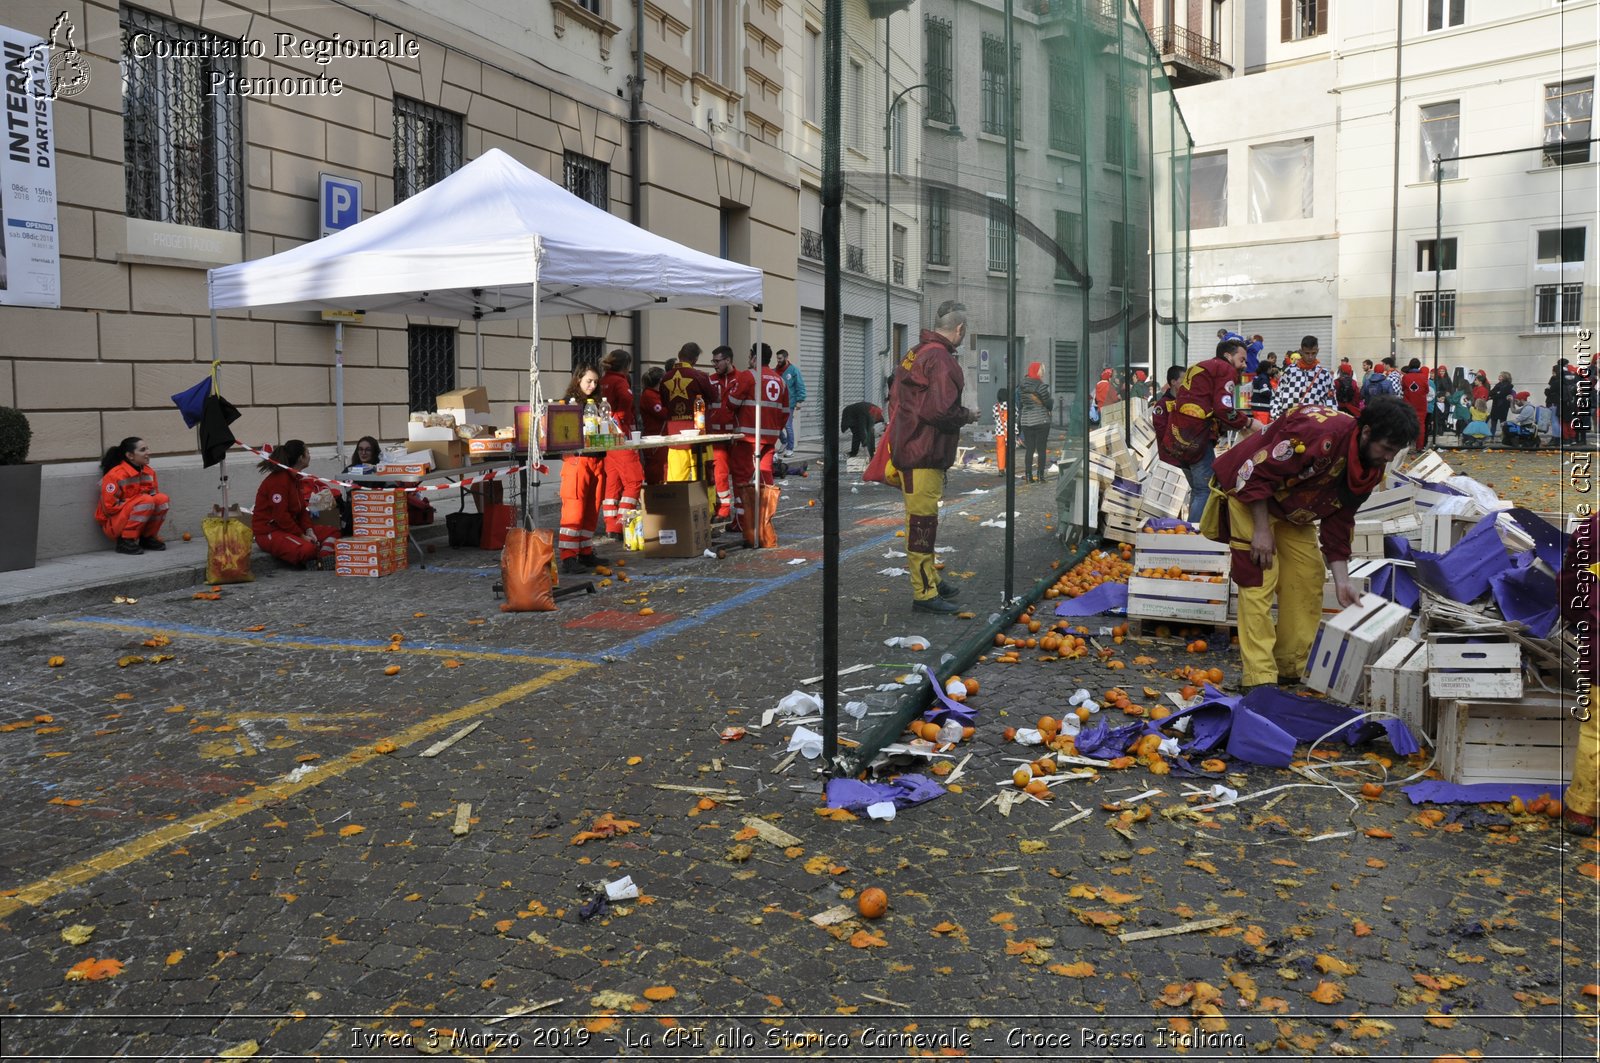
<point x="19" y="486"/>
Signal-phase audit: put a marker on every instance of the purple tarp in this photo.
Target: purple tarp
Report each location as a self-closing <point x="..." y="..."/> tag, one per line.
<point x="1479" y="793"/>
<point x="1105" y="598"/>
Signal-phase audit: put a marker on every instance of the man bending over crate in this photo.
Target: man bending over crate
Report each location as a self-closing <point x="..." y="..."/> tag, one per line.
<point x="1312" y="465"/>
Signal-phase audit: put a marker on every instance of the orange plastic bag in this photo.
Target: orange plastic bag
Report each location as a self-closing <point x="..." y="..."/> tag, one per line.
<point x="770" y="493"/>
<point x="228" y="543"/>
<point x="528" y="571"/>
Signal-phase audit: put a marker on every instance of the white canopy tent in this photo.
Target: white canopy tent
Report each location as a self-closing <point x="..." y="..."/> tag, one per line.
<point x="481" y="243"/>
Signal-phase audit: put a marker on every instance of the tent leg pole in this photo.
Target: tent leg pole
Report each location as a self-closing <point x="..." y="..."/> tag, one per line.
<point x="222" y="470"/>
<point x="338" y="390"/>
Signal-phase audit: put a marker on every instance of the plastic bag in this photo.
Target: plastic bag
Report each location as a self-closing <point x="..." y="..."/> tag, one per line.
<point x="881" y="468"/>
<point x="528" y="571"/>
<point x="228" y="543"/>
<point x="633" y="532"/>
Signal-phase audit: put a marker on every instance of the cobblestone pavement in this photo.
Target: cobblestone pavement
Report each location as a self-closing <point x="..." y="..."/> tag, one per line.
<point x="248" y="822"/>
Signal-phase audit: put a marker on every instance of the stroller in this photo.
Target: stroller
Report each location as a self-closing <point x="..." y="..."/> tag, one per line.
<point x="1521" y="435"/>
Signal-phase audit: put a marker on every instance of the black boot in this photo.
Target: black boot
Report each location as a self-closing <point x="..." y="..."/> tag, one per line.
<point x="152" y="544"/>
<point x="129" y="546"/>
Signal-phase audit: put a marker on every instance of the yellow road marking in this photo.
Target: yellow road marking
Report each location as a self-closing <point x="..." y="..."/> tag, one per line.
<point x="36" y="893"/>
<point x="244" y="640"/>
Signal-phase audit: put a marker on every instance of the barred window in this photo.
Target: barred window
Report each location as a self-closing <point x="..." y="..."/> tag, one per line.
<point x="1446" y="315"/>
<point x="1069" y="244"/>
<point x="430" y="364"/>
<point x="1066" y="104"/>
<point x="427" y="146"/>
<point x="1557" y="306"/>
<point x="1119" y="255"/>
<point x="588" y="179"/>
<point x="182" y="146"/>
<point x="938" y="216"/>
<point x="587" y="352"/>
<point x="999" y="235"/>
<point x="939" y="70"/>
<point x="998" y="79"/>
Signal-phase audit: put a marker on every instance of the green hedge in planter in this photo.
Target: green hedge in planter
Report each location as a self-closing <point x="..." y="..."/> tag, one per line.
<point x="15" y="436"/>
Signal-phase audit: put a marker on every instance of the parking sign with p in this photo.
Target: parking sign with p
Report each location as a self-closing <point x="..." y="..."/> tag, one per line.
<point x="340" y="201"/>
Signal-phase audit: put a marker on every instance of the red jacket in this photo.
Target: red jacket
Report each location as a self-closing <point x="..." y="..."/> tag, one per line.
<point x="721" y="417"/>
<point x="1307" y="467"/>
<point x="619" y="393"/>
<point x="122" y="485"/>
<point x="774" y="404"/>
<point x="680" y="387"/>
<point x="280" y="505"/>
<point x="925" y="411"/>
<point x="652" y="412"/>
<point x="1414" y="388"/>
<point x="1202" y="404"/>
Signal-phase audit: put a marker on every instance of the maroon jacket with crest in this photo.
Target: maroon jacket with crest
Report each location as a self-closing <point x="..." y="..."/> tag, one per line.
<point x="925" y="411"/>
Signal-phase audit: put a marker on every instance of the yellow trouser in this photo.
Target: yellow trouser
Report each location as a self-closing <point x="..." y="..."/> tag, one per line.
<point x="680" y="464"/>
<point x="1583" y="793"/>
<point x="1269" y="650"/>
<point x="922" y="489"/>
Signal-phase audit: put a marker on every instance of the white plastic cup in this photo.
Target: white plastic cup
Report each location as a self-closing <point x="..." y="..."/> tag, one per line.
<point x="636" y="435"/>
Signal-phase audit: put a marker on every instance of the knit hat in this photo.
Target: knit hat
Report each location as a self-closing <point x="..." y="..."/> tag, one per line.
<point x="1522" y="396"/>
<point x="1138" y="374"/>
<point x="1035" y="371"/>
<point x="1105" y="374"/>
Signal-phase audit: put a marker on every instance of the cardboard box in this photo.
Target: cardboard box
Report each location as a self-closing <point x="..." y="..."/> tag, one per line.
<point x="393" y="496"/>
<point x="445" y="453"/>
<point x="418" y="433"/>
<point x="677" y="521"/>
<point x="406" y="468"/>
<point x="466" y="405"/>
<point x="491" y="448"/>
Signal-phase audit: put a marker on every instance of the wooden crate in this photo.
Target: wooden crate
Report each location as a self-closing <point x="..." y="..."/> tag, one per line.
<point x="1192" y="553"/>
<point x="1121" y="498"/>
<point x="1398" y="684"/>
<point x="1348" y="642"/>
<point x="1429" y="468"/>
<point x="1106" y="438"/>
<point x="1122" y="528"/>
<point x="1528" y="741"/>
<point x="1466" y="666"/>
<point x="1330" y="597"/>
<point x="1178" y="599"/>
<point x="1394" y="502"/>
<point x="1165" y="491"/>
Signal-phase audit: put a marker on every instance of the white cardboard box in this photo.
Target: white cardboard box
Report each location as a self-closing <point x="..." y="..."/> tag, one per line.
<point x="1348" y="642"/>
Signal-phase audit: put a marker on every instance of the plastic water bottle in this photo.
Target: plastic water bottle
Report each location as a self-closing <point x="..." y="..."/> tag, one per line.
<point x="700" y="414"/>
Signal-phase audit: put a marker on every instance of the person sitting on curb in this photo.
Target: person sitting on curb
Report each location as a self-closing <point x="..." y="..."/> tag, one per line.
<point x="131" y="506"/>
<point x="281" y="522"/>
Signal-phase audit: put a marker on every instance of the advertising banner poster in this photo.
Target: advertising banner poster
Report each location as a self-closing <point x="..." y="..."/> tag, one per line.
<point x="30" y="251"/>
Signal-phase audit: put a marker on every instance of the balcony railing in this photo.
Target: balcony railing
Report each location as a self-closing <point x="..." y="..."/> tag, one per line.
<point x="810" y="244"/>
<point x="855" y="258"/>
<point x="899" y="271"/>
<point x="1189" y="47"/>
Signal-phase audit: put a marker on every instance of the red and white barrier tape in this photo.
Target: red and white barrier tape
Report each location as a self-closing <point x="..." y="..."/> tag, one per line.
<point x="322" y="483"/>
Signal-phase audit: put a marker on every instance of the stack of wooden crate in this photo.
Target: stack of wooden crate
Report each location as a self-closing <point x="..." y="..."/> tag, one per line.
<point x="1348" y="643"/>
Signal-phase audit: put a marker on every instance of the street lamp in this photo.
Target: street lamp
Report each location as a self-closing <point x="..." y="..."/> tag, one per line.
<point x="953" y="131"/>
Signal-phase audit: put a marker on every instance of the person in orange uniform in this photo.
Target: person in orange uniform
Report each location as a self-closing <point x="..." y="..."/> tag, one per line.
<point x="747" y="400"/>
<point x="131" y="506"/>
<point x="653" y="419"/>
<point x="681" y="385"/>
<point x="281" y="522"/>
<point x="582" y="480"/>
<point x="1105" y="392"/>
<point x="1313" y="466"/>
<point x="719" y="418"/>
<point x="624" y="470"/>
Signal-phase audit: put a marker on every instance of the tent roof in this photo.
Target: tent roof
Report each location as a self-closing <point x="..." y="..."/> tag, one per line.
<point x="466" y="243"/>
